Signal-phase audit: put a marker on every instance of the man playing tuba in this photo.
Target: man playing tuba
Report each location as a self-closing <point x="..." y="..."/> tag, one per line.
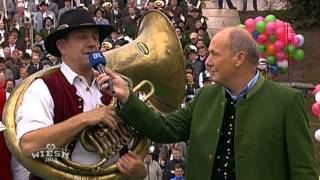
<point x="58" y="106"/>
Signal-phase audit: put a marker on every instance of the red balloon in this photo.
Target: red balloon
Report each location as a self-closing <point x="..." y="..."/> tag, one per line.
<point x="262" y="39"/>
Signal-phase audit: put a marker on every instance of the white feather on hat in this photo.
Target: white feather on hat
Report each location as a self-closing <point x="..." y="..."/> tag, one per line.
<point x="20" y="4"/>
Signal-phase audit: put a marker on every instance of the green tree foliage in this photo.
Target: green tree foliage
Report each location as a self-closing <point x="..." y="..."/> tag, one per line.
<point x="305" y="13"/>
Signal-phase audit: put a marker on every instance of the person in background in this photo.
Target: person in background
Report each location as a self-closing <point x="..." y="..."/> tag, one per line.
<point x="177" y="159"/>
<point x="9" y="85"/>
<point x="178" y="173"/>
<point x="154" y="170"/>
<point x="254" y="4"/>
<point x="5" y="155"/>
<point x="229" y="2"/>
<point x="23" y="75"/>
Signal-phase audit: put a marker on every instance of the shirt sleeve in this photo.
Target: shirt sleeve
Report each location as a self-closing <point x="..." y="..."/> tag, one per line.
<point x="36" y="110"/>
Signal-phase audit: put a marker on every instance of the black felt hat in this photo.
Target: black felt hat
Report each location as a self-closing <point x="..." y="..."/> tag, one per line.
<point x="73" y="20"/>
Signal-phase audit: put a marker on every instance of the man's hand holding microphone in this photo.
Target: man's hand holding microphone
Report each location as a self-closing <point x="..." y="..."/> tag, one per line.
<point x="108" y="80"/>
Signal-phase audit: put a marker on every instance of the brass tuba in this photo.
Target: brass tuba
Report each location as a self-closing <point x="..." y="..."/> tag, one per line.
<point x="154" y="56"/>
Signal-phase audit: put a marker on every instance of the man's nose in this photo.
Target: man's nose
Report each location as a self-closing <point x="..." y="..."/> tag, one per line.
<point x="208" y="61"/>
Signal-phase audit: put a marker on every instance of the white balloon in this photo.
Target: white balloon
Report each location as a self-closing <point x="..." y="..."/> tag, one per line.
<point x="317" y="135"/>
<point x="317" y="97"/>
<point x="283" y="64"/>
<point x="301" y="39"/>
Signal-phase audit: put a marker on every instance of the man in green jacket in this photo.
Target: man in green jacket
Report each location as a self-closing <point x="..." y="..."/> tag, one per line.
<point x="242" y="128"/>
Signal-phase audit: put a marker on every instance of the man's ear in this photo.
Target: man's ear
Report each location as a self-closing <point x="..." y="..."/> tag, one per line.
<point x="60" y="43"/>
<point x="240" y="58"/>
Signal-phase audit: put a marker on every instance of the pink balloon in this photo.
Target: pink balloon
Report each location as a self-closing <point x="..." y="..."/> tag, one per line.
<point x="291" y="37"/>
<point x="279" y="24"/>
<point x="279" y="46"/>
<point x="296" y="41"/>
<point x="259" y="19"/>
<point x="262" y="39"/>
<point x="250" y="25"/>
<point x="288" y="25"/>
<point x="316" y="109"/>
<point x="271" y="28"/>
<point x="280" y="56"/>
<point x="290" y="30"/>
<point x="316" y="89"/>
<point x="281" y="34"/>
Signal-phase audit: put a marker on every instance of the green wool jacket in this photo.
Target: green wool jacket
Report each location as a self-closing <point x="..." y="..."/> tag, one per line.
<point x="272" y="137"/>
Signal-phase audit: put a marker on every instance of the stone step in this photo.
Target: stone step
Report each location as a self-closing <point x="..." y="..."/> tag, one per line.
<point x="220" y="22"/>
<point x="219" y="12"/>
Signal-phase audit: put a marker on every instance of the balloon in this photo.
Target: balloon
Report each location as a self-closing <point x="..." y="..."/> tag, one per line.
<point x="259" y="19"/>
<point x="301" y="39"/>
<point x="255" y="35"/>
<point x="271" y="50"/>
<point x="316" y="109"/>
<point x="272" y="38"/>
<point x="281" y="34"/>
<point x="298" y="55"/>
<point x="290" y="49"/>
<point x="242" y="26"/>
<point x="270" y="18"/>
<point x="271" y="60"/>
<point x="317" y="135"/>
<point x="283" y="70"/>
<point x="271" y="28"/>
<point x="279" y="24"/>
<point x="250" y="24"/>
<point x="296" y="41"/>
<point x="274" y="69"/>
<point x="280" y="56"/>
<point x="317" y="97"/>
<point x="261" y="27"/>
<point x="262" y="48"/>
<point x="279" y="46"/>
<point x="262" y="39"/>
<point x="291" y="37"/>
<point x="316" y="89"/>
<point x="282" y="64"/>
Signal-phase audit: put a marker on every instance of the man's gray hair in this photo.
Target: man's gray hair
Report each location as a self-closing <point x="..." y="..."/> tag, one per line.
<point x="240" y="40"/>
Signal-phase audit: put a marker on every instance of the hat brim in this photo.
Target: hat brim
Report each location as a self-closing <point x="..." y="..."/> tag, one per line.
<point x="50" y="42"/>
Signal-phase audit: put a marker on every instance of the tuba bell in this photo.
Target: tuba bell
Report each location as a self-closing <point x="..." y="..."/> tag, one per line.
<point x="155" y="57"/>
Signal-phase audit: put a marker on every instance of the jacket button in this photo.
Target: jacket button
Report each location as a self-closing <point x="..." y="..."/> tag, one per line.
<point x="210" y="157"/>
